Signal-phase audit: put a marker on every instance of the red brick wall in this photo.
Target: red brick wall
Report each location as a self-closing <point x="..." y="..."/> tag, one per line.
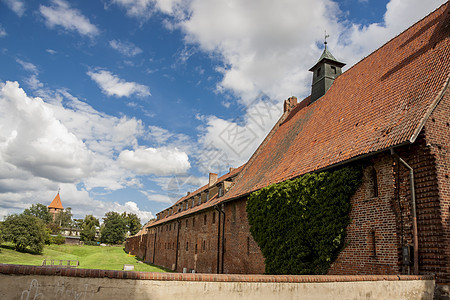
<point x="437" y="132"/>
<point x="372" y="239"/>
<point x="242" y="254"/>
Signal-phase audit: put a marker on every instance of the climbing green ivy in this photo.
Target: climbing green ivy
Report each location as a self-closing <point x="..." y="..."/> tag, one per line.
<point x="300" y="224"/>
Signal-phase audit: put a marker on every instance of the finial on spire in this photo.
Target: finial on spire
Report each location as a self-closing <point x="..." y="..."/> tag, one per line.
<point x="59" y="189"/>
<point x="326" y="36"/>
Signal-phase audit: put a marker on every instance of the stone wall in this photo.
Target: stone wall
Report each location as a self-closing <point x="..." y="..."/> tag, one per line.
<point x="31" y="282"/>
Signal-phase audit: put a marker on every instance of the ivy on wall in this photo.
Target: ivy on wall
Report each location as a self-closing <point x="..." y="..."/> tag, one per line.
<point x="300" y="224"/>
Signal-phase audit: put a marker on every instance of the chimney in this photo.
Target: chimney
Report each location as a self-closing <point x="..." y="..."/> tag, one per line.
<point x="188" y="193"/>
<point x="231" y="170"/>
<point x="212" y="179"/>
<point x="289" y="104"/>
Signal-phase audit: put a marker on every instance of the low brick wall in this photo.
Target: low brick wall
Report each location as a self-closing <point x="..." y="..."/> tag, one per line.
<point x="33" y="282"/>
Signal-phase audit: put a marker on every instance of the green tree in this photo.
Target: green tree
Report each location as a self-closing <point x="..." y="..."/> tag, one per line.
<point x="89" y="228"/>
<point x="113" y="229"/>
<point x="40" y="211"/>
<point x="132" y="222"/>
<point x="64" y="217"/>
<point x="25" y="232"/>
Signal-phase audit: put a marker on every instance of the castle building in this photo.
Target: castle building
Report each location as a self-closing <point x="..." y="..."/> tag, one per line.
<point x="56" y="206"/>
<point x="391" y="111"/>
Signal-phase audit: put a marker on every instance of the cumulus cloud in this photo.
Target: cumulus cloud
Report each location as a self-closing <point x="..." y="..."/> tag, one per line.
<point x="158" y="161"/>
<point x="61" y="14"/>
<point x="34" y="140"/>
<point x="125" y="48"/>
<point x="64" y="142"/>
<point x="16" y="6"/>
<point x="112" y="85"/>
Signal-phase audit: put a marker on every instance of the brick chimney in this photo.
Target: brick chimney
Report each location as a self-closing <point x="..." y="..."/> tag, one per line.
<point x="289" y="104"/>
<point x="212" y="179"/>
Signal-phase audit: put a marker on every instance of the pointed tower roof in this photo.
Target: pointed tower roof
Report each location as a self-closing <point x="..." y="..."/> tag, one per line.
<point x="56" y="203"/>
<point x="327" y="56"/>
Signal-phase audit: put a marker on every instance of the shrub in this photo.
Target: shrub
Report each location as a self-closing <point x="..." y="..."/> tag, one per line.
<point x="25" y="231"/>
<point x="300" y="224"/>
<point x="58" y="240"/>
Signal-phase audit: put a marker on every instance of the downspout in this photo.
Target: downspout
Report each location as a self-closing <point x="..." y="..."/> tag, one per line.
<point x="178" y="238"/>
<point x="154" y="244"/>
<point x="223" y="234"/>
<point x="413" y="211"/>
<point x="218" y="238"/>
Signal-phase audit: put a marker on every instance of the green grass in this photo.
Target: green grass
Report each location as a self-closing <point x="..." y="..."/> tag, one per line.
<point x="90" y="257"/>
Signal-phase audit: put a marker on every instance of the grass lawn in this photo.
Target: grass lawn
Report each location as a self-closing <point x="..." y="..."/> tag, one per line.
<point x="90" y="257"/>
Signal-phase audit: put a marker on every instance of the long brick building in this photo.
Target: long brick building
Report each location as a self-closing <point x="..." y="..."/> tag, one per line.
<point x="390" y="110"/>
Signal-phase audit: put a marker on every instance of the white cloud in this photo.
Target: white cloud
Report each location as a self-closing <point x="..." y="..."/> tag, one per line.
<point x="158" y="161"/>
<point x="268" y="46"/>
<point x="51" y="51"/>
<point x="2" y="31"/>
<point x="125" y="48"/>
<point x="33" y="140"/>
<point x="112" y="85"/>
<point x="28" y="66"/>
<point x="16" y="6"/>
<point x="61" y="14"/>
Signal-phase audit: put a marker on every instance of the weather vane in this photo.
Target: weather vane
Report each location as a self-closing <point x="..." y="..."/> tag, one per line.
<point x="326" y="36"/>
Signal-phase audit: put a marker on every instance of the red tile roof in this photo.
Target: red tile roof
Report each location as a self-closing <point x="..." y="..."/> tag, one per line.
<point x="381" y="102"/>
<point x="211" y="202"/>
<point x="56" y="203"/>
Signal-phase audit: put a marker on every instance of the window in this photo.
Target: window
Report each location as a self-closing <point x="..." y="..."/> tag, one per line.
<point x="318" y="72"/>
<point x="187" y="205"/>
<point x="204" y="245"/>
<point x="220" y="191"/>
<point x="193" y="202"/>
<point x="187" y="246"/>
<point x="214" y="217"/>
<point x="333" y="70"/>
<point x="193" y="222"/>
<point x="195" y="248"/>
<point x="199" y="199"/>
<point x="373" y="183"/>
<point x="207" y="196"/>
<point x="204" y="220"/>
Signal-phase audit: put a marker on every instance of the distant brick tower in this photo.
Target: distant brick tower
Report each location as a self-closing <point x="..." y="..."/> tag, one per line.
<point x="55" y="206"/>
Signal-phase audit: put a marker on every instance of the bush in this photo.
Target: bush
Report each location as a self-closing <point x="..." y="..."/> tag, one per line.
<point x="300" y="224"/>
<point x="25" y="232"/>
<point x="58" y="240"/>
<point x="91" y="243"/>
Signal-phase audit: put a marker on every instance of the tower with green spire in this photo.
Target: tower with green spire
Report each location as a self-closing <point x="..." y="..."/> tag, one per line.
<point x="325" y="71"/>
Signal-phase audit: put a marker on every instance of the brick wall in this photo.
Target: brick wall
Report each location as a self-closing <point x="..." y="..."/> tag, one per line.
<point x="372" y="237"/>
<point x="437" y="132"/>
<point x="242" y="254"/>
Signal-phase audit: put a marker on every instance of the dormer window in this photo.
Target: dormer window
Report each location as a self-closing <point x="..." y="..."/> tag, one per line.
<point x="207" y="195"/>
<point x="199" y="199"/>
<point x="220" y="191"/>
<point x="333" y="70"/>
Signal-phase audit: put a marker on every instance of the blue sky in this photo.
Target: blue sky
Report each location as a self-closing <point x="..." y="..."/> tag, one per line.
<point x="126" y="105"/>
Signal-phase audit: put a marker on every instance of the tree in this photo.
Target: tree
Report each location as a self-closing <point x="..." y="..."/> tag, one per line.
<point x="132" y="222"/>
<point x="25" y="232"/>
<point x="64" y="217"/>
<point x="40" y="211"/>
<point x="113" y="229"/>
<point x="89" y="228"/>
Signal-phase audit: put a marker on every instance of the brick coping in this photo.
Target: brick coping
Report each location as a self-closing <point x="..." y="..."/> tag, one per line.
<point x="94" y="273"/>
